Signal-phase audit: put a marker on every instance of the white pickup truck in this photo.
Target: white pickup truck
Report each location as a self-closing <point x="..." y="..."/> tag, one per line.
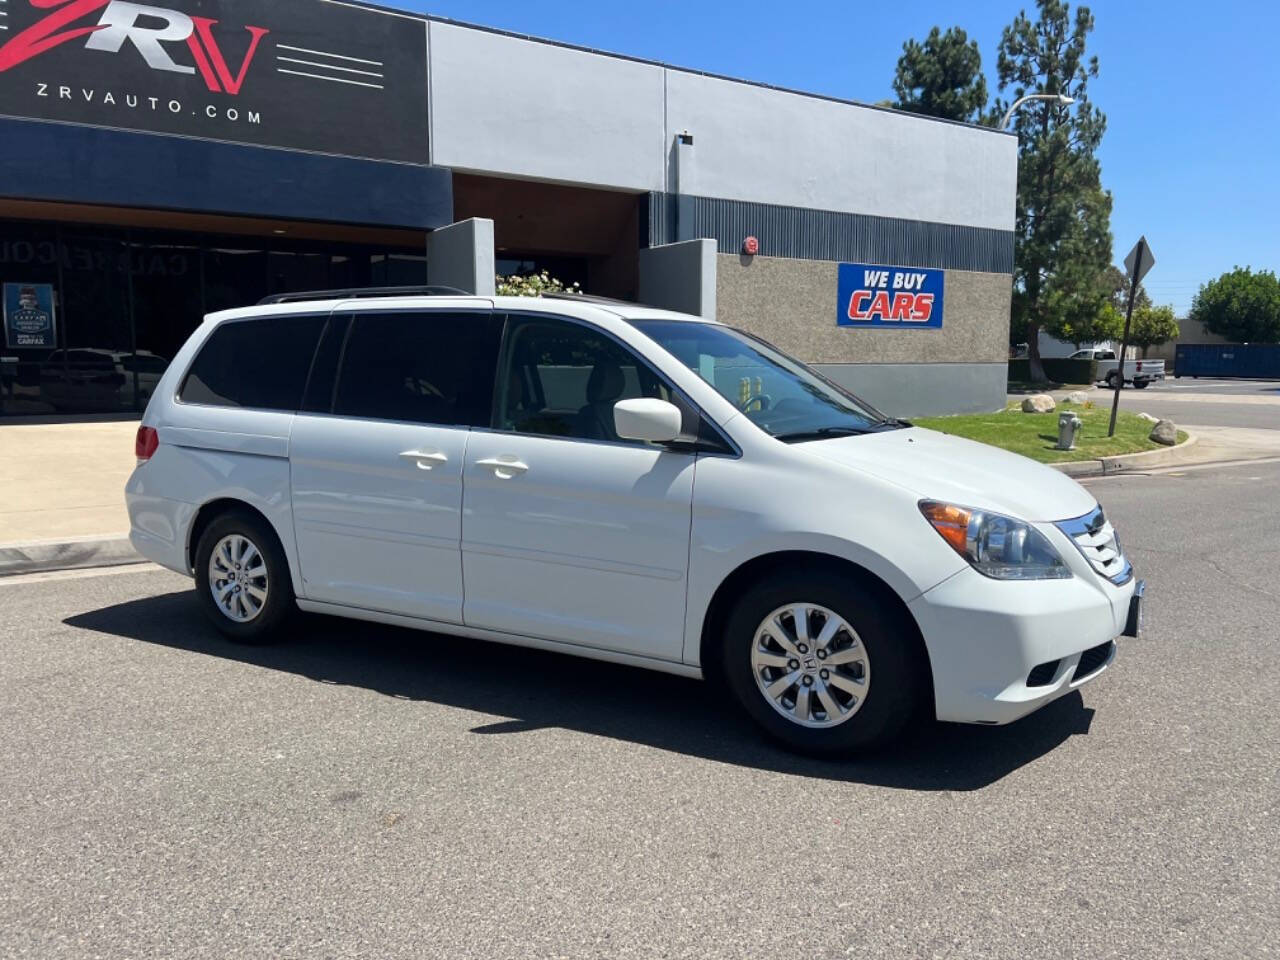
<point x="1138" y="372"/>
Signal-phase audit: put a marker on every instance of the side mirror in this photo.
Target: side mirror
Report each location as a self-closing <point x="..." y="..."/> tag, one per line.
<point x="646" y="419"/>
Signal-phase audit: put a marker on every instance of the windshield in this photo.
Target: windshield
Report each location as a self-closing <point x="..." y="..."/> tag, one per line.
<point x="780" y="395"/>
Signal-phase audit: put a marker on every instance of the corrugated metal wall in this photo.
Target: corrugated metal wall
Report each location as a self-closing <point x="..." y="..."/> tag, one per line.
<point x="803" y="234"/>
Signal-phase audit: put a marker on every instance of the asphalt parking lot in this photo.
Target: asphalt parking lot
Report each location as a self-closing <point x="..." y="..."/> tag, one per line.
<point x="362" y="791"/>
<point x="1208" y="402"/>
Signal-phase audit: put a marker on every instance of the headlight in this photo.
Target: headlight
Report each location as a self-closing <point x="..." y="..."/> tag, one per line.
<point x="997" y="546"/>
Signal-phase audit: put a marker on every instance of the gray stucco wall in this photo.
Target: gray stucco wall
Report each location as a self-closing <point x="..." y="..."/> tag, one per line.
<point x="960" y="368"/>
<point x="792" y="303"/>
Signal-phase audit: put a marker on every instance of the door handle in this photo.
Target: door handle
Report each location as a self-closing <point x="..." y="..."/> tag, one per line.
<point x="503" y="467"/>
<point x="425" y="459"/>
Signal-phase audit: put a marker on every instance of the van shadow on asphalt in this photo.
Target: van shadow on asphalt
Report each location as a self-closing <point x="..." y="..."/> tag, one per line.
<point x="537" y="689"/>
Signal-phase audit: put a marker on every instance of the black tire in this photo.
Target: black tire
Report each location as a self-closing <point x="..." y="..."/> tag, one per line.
<point x="1141" y="384"/>
<point x="896" y="685"/>
<point x="1113" y="381"/>
<point x="279" y="604"/>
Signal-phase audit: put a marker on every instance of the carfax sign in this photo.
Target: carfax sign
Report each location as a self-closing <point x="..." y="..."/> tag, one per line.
<point x="29" y="321"/>
<point x="878" y="296"/>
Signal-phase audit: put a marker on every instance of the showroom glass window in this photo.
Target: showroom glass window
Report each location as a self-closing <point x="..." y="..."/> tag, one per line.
<point x="127" y="299"/>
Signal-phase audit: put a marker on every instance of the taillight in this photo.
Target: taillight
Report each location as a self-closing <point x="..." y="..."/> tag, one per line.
<point x="145" y="444"/>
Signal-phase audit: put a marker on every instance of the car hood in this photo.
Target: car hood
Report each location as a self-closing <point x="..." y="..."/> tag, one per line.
<point x="936" y="466"/>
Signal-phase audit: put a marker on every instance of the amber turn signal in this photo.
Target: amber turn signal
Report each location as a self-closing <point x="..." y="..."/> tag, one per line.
<point x="951" y="522"/>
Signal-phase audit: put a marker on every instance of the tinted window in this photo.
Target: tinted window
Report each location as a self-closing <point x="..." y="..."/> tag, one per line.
<point x="254" y="363"/>
<point x="424" y="367"/>
<point x="318" y="397"/>
<point x="562" y="379"/>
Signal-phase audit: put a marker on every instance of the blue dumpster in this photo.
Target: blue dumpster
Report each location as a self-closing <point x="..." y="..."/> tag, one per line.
<point x="1251" y="361"/>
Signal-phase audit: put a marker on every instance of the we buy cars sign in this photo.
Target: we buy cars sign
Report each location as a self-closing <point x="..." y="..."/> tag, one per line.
<point x="877" y="296"/>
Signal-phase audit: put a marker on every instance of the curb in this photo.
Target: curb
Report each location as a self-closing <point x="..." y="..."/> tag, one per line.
<point x="43" y="556"/>
<point x="1107" y="466"/>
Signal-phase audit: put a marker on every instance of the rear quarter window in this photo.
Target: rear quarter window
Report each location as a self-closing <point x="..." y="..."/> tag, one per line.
<point x="260" y="363"/>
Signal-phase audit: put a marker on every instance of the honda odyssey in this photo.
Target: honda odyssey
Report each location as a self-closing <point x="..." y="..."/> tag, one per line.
<point x="625" y="483"/>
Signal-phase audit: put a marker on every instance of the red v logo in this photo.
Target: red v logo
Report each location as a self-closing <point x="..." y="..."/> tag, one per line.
<point x="210" y="61"/>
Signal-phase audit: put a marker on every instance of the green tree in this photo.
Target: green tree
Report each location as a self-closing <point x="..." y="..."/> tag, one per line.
<point x="1117" y="282"/>
<point x="1107" y="323"/>
<point x="1152" y="326"/>
<point x="942" y="77"/>
<point x="1062" y="241"/>
<point x="1242" y="306"/>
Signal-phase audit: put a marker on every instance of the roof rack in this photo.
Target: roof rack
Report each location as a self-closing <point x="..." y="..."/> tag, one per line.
<point x="587" y="298"/>
<point x="358" y="293"/>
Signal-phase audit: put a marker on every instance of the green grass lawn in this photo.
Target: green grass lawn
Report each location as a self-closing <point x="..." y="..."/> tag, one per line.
<point x="1035" y="434"/>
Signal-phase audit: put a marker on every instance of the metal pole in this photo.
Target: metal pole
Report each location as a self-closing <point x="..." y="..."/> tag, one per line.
<point x="1061" y="98"/>
<point x="1124" y="340"/>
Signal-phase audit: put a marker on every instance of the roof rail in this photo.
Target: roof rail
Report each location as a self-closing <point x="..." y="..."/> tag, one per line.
<point x="586" y="298"/>
<point x="357" y="293"/>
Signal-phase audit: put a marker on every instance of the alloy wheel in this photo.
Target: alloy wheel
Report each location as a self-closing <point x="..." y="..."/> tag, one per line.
<point x="810" y="665"/>
<point x="238" y="578"/>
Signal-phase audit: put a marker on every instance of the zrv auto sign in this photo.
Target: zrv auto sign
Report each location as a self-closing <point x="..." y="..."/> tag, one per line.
<point x="892" y="297"/>
<point x="303" y="74"/>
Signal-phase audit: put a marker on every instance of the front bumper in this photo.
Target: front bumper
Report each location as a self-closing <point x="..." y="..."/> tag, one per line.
<point x="985" y="637"/>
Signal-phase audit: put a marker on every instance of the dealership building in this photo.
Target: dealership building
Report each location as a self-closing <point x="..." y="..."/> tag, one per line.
<point x="161" y="161"/>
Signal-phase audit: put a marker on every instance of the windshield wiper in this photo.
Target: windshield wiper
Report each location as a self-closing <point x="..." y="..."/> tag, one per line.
<point x="822" y="433"/>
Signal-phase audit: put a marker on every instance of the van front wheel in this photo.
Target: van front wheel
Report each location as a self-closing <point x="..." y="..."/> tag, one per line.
<point x="822" y="663"/>
<point x="242" y="578"/>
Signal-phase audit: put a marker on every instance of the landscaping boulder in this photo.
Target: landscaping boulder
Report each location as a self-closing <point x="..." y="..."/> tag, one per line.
<point x="1040" y="403"/>
<point x="1077" y="396"/>
<point x="1165" y="432"/>
<point x="1148" y="417"/>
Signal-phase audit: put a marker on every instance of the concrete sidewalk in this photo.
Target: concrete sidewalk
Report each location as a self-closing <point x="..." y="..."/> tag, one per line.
<point x="1228" y="445"/>
<point x="62" y="487"/>
<point x="64" y="481"/>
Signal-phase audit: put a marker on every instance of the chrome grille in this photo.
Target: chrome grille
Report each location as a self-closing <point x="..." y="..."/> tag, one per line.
<point x="1096" y="539"/>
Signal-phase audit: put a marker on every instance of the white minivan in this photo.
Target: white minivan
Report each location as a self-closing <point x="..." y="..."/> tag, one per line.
<point x="625" y="483"/>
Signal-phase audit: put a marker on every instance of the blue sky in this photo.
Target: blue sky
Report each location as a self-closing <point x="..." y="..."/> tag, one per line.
<point x="1191" y="93"/>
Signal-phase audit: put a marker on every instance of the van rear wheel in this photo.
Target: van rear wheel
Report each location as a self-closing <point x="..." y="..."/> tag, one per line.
<point x="242" y="577"/>
<point x="823" y="664"/>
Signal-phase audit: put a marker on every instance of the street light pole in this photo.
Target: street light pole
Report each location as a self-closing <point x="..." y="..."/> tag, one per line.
<point x="1059" y="97"/>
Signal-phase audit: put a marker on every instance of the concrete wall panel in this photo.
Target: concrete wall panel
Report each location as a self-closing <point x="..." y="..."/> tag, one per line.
<point x="513" y="106"/>
<point x="771" y="146"/>
<point x="507" y="105"/>
<point x="924" y="389"/>
<point x="680" y="276"/>
<point x="461" y="255"/>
